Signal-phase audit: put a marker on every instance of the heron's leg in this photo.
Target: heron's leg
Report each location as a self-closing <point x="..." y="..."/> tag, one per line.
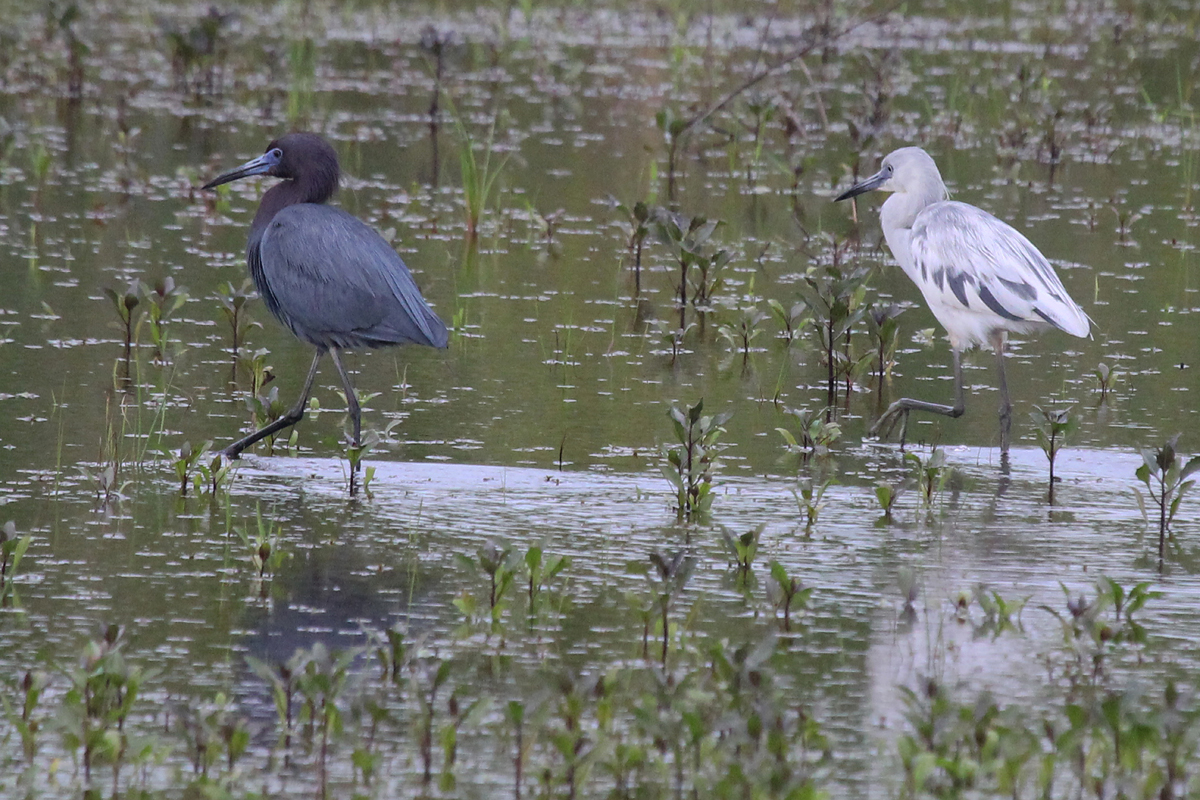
<point x="1005" y="405"/>
<point x="351" y="396"/>
<point x="294" y="415"/>
<point x="902" y="407"/>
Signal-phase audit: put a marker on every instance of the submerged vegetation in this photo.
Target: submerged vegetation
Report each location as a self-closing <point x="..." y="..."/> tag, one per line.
<point x="497" y="593"/>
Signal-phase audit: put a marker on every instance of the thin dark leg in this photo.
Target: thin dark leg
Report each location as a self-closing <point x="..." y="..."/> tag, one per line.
<point x="1005" y="405"/>
<point x="904" y="405"/>
<point x="294" y="415"/>
<point x="351" y="396"/>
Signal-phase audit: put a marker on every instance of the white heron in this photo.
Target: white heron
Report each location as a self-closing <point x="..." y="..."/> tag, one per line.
<point x="980" y="277"/>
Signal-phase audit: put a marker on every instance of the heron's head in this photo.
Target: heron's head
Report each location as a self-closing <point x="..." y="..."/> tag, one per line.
<point x="908" y="170"/>
<point x="302" y="157"/>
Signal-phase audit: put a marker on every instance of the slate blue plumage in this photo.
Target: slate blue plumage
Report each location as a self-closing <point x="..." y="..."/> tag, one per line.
<point x="326" y="275"/>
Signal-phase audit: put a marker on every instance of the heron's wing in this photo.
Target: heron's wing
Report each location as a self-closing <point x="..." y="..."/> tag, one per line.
<point x="336" y="282"/>
<point x="970" y="260"/>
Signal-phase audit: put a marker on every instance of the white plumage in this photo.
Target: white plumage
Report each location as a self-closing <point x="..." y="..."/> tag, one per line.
<point x="980" y="277"/>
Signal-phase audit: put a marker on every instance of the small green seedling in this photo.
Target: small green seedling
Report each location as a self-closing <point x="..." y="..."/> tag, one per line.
<point x="128" y="303"/>
<point x="541" y="570"/>
<point x="690" y="463"/>
<point x="1106" y="377"/>
<point x="162" y="302"/>
<point x="930" y="474"/>
<point x="811" y="499"/>
<point x="814" y="433"/>
<point x="791" y="318"/>
<point x="1052" y="428"/>
<point x="262" y="542"/>
<point x="186" y="466"/>
<point x="672" y="337"/>
<point x="884" y="330"/>
<point x="499" y="565"/>
<point x="887" y="494"/>
<point x="834" y="298"/>
<point x="786" y="592"/>
<point x="12" y="549"/>
<point x="741" y="333"/>
<point x="688" y="240"/>
<point x="1166" y="478"/>
<point x="637" y="220"/>
<point x="233" y="305"/>
<point x="670" y="576"/>
<point x="743" y="548"/>
<point x="999" y="614"/>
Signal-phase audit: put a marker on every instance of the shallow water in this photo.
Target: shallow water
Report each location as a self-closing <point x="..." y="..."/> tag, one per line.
<point x="542" y="422"/>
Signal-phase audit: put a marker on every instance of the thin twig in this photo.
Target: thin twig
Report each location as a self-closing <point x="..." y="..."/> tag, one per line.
<point x="784" y="62"/>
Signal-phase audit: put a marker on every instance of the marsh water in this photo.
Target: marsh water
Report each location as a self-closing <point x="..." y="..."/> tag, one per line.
<point x="543" y="422"/>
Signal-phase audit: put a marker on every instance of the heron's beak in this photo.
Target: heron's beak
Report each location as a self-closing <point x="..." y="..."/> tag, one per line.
<point x="873" y="182"/>
<point x="255" y="166"/>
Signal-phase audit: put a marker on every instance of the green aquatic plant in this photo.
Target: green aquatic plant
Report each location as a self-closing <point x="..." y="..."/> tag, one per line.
<point x="355" y="452"/>
<point x="262" y="543"/>
<point x="12" y="550"/>
<point x="214" y="730"/>
<point x="541" y="570"/>
<point x="790" y="318"/>
<point x="128" y="303"/>
<point x="391" y="651"/>
<point x="282" y="677"/>
<point x="186" y="465"/>
<point x="302" y="62"/>
<point x="810" y="498"/>
<point x="637" y="220"/>
<point x="701" y="265"/>
<point x="785" y="592"/>
<point x="887" y="494"/>
<point x="60" y="20"/>
<point x="762" y="109"/>
<point x="103" y="687"/>
<point x="28" y="723"/>
<point x="672" y="337"/>
<point x="741" y="333"/>
<point x="1166" y="477"/>
<point x="1105" y="377"/>
<point x="690" y="463"/>
<point x="214" y="473"/>
<point x="884" y="329"/>
<point x="479" y="174"/>
<point x="1052" y="428"/>
<point x="321" y="682"/>
<point x="196" y="50"/>
<point x="668" y="578"/>
<point x="814" y="434"/>
<point x="233" y="300"/>
<point x="930" y="474"/>
<point x="162" y="301"/>
<point x="427" y="677"/>
<point x="1000" y="614"/>
<point x="743" y="548"/>
<point x="499" y="566"/>
<point x="834" y="297"/>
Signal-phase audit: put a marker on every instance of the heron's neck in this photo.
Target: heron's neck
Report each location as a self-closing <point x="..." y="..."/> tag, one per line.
<point x="901" y="208"/>
<point x="289" y="193"/>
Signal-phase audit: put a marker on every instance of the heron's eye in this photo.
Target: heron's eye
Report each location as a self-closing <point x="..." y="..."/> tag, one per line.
<point x="277" y="153"/>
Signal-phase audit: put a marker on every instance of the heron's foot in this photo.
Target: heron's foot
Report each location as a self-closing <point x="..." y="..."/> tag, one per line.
<point x="883" y="427"/>
<point x="230" y="454"/>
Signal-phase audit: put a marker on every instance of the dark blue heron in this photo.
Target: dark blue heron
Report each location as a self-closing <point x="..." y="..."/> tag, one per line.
<point x="327" y="276"/>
